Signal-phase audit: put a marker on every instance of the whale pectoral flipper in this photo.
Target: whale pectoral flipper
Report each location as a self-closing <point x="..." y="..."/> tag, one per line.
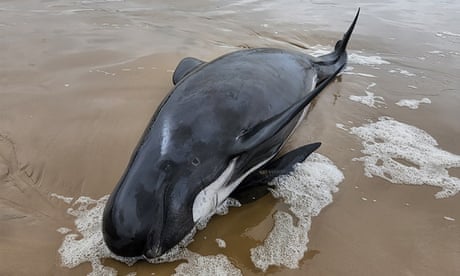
<point x="264" y="130"/>
<point x="328" y="67"/>
<point x="184" y="67"/>
<point x="255" y="185"/>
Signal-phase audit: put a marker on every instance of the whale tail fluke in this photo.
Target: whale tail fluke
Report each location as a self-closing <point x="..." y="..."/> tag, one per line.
<point x="328" y="64"/>
<point x="341" y="45"/>
<point x="328" y="67"/>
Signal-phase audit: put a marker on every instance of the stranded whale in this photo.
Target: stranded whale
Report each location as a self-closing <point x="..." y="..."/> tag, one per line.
<point x="215" y="135"/>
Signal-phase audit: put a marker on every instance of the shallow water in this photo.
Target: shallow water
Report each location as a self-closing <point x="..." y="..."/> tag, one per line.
<point x="80" y="80"/>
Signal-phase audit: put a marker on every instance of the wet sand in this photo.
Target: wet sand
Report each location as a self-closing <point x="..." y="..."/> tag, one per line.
<point x="80" y="80"/>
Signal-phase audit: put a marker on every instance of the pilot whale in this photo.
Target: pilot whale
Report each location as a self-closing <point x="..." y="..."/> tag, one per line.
<point x="215" y="135"/>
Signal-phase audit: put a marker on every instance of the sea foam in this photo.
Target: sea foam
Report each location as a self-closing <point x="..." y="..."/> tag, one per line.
<point x="412" y="103"/>
<point x="207" y="265"/>
<point x="353" y="58"/>
<point x="66" y="199"/>
<point x="370" y="99"/>
<point x="306" y="190"/>
<point x="405" y="154"/>
<point x="88" y="244"/>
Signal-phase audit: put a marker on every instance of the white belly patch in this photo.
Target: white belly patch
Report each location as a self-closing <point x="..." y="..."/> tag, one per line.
<point x="211" y="197"/>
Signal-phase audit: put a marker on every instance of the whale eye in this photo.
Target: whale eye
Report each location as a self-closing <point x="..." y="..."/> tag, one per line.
<point x="195" y="161"/>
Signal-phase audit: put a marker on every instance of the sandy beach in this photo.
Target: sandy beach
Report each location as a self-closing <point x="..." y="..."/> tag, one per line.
<point x="80" y="80"/>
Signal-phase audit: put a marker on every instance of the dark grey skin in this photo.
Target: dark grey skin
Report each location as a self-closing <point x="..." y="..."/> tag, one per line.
<point x="255" y="185"/>
<point x="242" y="107"/>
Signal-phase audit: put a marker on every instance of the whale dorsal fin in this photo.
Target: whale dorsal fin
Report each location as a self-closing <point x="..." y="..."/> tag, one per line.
<point x="262" y="131"/>
<point x="256" y="185"/>
<point x="184" y="67"/>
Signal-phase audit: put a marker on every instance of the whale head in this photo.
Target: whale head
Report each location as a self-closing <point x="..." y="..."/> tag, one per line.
<point x="154" y="205"/>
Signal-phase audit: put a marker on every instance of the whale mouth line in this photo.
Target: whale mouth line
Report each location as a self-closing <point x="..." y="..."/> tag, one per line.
<point x="207" y="200"/>
<point x="152" y="253"/>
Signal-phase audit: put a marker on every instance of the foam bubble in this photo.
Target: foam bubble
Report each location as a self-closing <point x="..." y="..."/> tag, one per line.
<point x="221" y="243"/>
<point x="66" y="199"/>
<point x="341" y="126"/>
<point x="413" y="104"/>
<point x="207" y="265"/>
<point x="63" y="230"/>
<point x="285" y="244"/>
<point x="355" y="58"/>
<point x="319" y="50"/>
<point x="221" y="210"/>
<point x="404" y="154"/>
<point x="359" y="74"/>
<point x="402" y="72"/>
<point x="370" y="99"/>
<point x="88" y="245"/>
<point x="178" y="252"/>
<point x="307" y="190"/>
<point x="225" y="206"/>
